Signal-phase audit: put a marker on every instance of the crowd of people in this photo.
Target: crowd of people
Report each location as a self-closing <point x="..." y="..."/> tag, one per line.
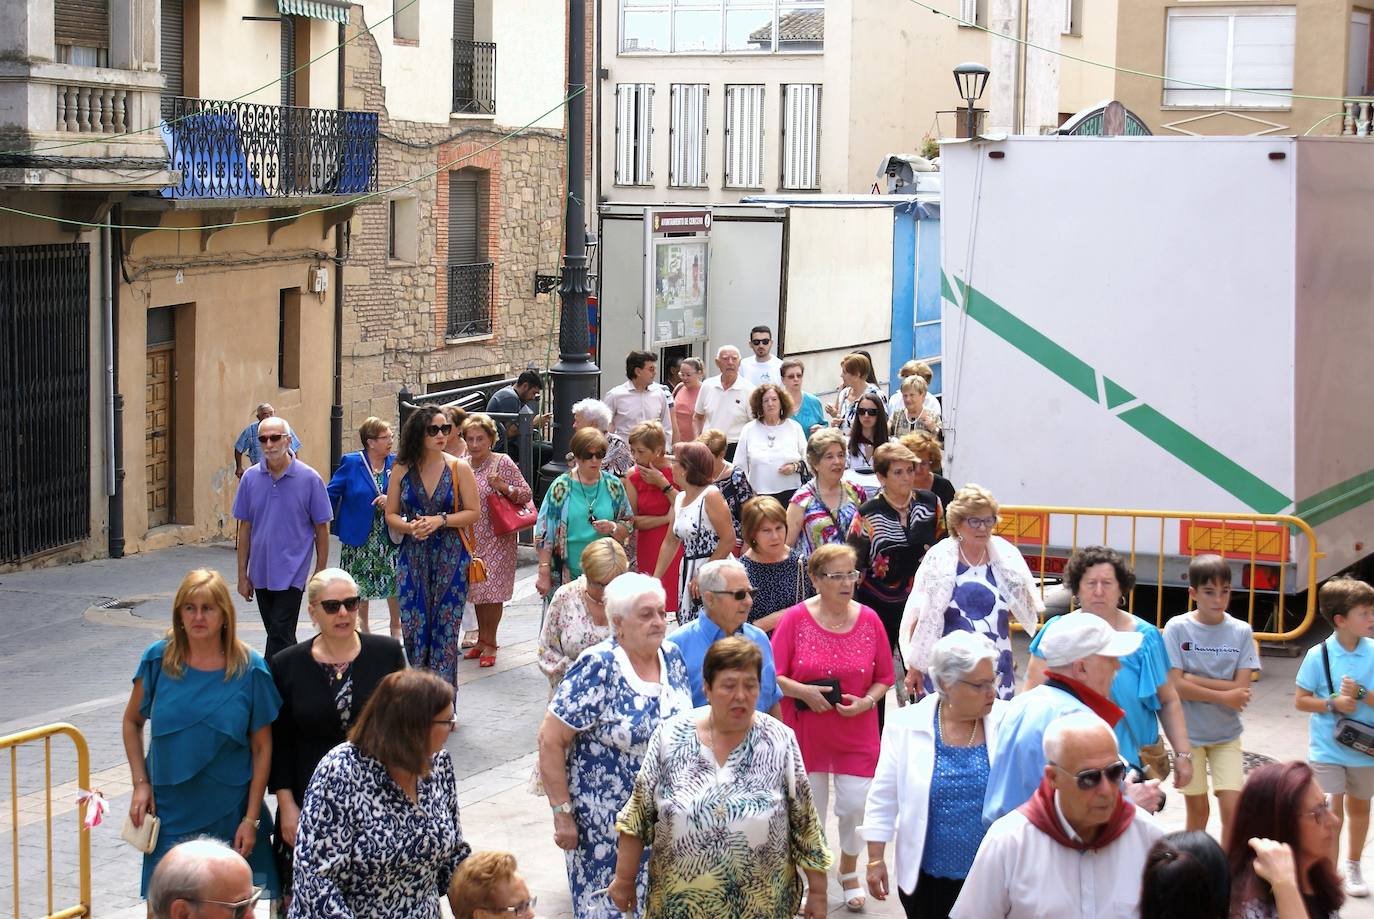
<point x="735" y="576"/>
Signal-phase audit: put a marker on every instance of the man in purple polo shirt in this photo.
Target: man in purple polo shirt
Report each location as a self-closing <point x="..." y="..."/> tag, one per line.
<point x="283" y="512"/>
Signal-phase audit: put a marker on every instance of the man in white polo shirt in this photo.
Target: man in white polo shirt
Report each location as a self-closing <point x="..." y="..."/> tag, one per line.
<point x="638" y="399"/>
<point x="723" y="401"/>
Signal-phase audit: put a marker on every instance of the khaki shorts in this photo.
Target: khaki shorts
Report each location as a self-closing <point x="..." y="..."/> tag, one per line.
<point x="1356" y="781"/>
<point x="1223" y="760"/>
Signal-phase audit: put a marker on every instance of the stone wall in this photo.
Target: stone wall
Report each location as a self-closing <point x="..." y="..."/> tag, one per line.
<point x="395" y="313"/>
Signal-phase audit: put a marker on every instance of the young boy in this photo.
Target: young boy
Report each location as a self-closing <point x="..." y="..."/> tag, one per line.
<point x="1211" y="658"/>
<point x="1345" y="774"/>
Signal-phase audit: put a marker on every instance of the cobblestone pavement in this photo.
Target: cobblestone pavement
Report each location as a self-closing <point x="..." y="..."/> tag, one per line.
<point x="73" y="637"/>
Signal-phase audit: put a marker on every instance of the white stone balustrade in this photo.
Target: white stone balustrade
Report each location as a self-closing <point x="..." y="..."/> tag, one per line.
<point x="1357" y="118"/>
<point x="92" y="109"/>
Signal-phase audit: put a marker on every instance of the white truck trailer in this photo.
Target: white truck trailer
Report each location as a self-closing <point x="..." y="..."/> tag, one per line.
<point x="1178" y="323"/>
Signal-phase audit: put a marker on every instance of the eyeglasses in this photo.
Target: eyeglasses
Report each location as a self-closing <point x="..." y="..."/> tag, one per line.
<point x="870" y="412"/>
<point x="239" y="908"/>
<point x="981" y="523"/>
<point x="451" y="722"/>
<point x="333" y="606"/>
<point x="841" y="577"/>
<point x="519" y="909"/>
<point x="760" y="341"/>
<point x="434" y="430"/>
<point x="597" y="455"/>
<point x="269" y="438"/>
<point x="983" y="686"/>
<point x="1321" y="811"/>
<point x="921" y="464"/>
<point x="1089" y="779"/>
<point x="737" y="594"/>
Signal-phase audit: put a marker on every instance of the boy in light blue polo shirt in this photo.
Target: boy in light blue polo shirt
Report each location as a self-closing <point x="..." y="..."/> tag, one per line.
<point x="1335" y="681"/>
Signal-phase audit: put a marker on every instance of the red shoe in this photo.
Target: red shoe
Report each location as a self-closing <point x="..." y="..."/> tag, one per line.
<point x="472" y="653"/>
<point x="488" y="659"/>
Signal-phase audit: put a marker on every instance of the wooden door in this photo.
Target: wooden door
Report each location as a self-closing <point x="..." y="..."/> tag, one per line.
<point x="158" y="435"/>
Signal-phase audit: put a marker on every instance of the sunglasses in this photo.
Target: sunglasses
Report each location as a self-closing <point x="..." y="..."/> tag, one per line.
<point x="269" y="438"/>
<point x="737" y="594"/>
<point x="760" y="341"/>
<point x="333" y="606"/>
<point x="598" y="455"/>
<point x="870" y="412"/>
<point x="434" y="430"/>
<point x="1089" y="779"/>
<point x="239" y="908"/>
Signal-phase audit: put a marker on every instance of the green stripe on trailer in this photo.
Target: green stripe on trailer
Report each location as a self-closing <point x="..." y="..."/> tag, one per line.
<point x="1330" y="503"/>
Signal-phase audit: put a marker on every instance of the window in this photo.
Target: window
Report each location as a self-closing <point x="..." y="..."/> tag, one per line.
<point x="403" y="229"/>
<point x="974" y="12"/>
<point x="1357" y="71"/>
<point x="722" y="26"/>
<point x="744" y="136"/>
<point x="405" y="20"/>
<point x="801" y="135"/>
<point x="289" y="338"/>
<point x="471" y="284"/>
<point x="1073" y="17"/>
<point x="81" y="32"/>
<point x="687" y="135"/>
<point x="634" y="133"/>
<point x="1236" y="49"/>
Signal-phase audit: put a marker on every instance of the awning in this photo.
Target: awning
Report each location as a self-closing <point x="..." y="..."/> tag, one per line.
<point x="332" y="10"/>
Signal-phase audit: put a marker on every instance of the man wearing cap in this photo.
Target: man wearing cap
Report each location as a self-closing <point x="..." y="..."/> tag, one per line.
<point x="1081" y="659"/>
<point x="1077" y="848"/>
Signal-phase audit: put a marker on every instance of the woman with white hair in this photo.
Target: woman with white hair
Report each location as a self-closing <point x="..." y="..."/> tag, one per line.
<point x="324" y="682"/>
<point x="927" y="792"/>
<point x="594" y="735"/>
<point x="593" y="413"/>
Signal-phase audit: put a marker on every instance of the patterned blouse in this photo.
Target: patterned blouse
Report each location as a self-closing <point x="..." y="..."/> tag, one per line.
<point x="551" y="529"/>
<point x="725" y="840"/>
<point x="735" y="489"/>
<point x="890" y="549"/>
<point x="568" y="630"/>
<point x="820" y="524"/>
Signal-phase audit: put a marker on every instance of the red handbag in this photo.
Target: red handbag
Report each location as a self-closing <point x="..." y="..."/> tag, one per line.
<point x="507" y="517"/>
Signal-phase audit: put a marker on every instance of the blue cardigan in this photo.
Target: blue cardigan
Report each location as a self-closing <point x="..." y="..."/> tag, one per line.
<point x="352" y="491"/>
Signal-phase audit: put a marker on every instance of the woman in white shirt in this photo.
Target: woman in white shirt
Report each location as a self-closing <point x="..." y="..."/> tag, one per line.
<point x="771" y="447"/>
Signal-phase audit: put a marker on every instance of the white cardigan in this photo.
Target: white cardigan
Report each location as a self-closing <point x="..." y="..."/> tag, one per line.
<point x="899" y="796"/>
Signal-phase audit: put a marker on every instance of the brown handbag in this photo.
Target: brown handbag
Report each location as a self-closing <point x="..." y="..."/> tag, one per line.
<point x="477" y="569"/>
<point x="1155" y="759"/>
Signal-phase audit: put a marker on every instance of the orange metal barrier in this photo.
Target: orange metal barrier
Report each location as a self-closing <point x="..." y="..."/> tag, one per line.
<point x="83" y="778"/>
<point x="1158" y="544"/>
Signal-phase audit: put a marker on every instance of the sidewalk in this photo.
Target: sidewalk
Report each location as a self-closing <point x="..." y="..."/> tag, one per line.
<point x="74" y="636"/>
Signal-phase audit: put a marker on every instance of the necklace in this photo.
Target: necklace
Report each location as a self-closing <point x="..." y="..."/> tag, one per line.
<point x="596" y="493"/>
<point x="968" y="561"/>
<point x="940" y="713"/>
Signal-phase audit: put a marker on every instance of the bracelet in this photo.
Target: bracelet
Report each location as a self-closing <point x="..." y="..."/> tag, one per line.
<point x="876" y="861"/>
<point x="255" y="823"/>
<point x="1184" y="755"/>
<point x="142" y="782"/>
<point x="545" y="565"/>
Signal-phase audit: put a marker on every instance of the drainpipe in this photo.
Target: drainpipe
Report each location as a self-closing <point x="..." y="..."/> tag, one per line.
<point x="336" y="410"/>
<point x="114" y="401"/>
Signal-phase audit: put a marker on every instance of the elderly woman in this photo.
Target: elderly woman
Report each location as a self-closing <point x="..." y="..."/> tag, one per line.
<point x="358" y="492"/>
<point x="593" y="737"/>
<point x="1100" y="578"/>
<point x="211" y="701"/>
<point x="379" y="834"/>
<point x="911" y="415"/>
<point x="651" y="488"/>
<point x="823" y="509"/>
<point x="486" y="886"/>
<point x="701" y="526"/>
<point x="856" y="372"/>
<point x="771" y="446"/>
<point x="806" y="410"/>
<point x="867" y="435"/>
<point x="969" y="581"/>
<point x="582" y="504"/>
<point x="929" y="459"/>
<point x="723" y="848"/>
<point x="690" y="371"/>
<point x="324" y="682"/>
<point x="431" y="496"/>
<point x="593" y="413"/>
<point x="776" y="571"/>
<point x="497" y="475"/>
<point x="833" y="659"/>
<point x="927" y="792"/>
<point x="729" y="479"/>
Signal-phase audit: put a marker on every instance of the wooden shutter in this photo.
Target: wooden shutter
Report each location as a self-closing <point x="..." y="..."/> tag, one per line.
<point x="85" y="23"/>
<point x="744" y="136"/>
<point x="801" y="130"/>
<point x="687" y="135"/>
<point x="288" y="60"/>
<point x="464" y="218"/>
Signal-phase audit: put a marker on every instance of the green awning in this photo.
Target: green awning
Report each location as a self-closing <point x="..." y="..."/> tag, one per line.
<point x="315" y="9"/>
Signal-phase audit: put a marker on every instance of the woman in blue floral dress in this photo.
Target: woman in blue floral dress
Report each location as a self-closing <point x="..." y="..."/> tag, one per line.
<point x="431" y="497"/>
<point x="594" y="735"/>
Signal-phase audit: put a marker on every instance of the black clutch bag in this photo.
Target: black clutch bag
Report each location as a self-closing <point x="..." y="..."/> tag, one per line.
<point x="831" y="694"/>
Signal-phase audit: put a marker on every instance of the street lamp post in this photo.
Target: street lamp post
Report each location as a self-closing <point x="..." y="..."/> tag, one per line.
<point x="972" y="79"/>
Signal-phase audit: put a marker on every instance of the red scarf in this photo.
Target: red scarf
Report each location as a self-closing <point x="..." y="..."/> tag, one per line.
<point x="1043" y="815"/>
<point x="1101" y="706"/>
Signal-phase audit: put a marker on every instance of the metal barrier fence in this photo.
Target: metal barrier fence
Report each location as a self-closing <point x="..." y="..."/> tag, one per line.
<point x="83" y="780"/>
<point x="1273" y="557"/>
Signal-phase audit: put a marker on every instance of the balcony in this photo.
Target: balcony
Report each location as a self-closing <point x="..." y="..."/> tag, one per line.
<point x="471" y="293"/>
<point x="474" y="77"/>
<point x="1358" y="118"/>
<point x="247" y="150"/>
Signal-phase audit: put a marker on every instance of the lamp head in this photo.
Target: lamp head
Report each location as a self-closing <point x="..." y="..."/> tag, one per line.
<point x="972" y="79"/>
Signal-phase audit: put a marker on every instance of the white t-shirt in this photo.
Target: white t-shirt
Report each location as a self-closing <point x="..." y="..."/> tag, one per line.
<point x="764" y="448"/>
<point x="726" y="410"/>
<point x="757" y="371"/>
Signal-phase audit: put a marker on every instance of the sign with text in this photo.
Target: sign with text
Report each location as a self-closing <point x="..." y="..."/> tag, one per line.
<point x="677" y="248"/>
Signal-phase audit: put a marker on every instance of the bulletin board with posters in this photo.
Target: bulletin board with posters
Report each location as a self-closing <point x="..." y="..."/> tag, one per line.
<point x="677" y="252"/>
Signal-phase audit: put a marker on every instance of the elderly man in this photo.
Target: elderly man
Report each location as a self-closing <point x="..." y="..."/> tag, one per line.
<point x="1076" y="849"/>
<point x="639" y="398"/>
<point x="764" y="366"/>
<point x="247" y="444"/>
<point x="723" y="400"/>
<point x="202" y="878"/>
<point x="727" y="597"/>
<point x="283" y="512"/>
<point x="1085" y="658"/>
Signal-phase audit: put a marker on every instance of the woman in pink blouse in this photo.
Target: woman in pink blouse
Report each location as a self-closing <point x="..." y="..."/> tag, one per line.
<point x="834" y="662"/>
<point x="691" y="372"/>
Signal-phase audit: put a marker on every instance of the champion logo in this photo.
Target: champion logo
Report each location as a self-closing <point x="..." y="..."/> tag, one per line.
<point x="1208" y="649"/>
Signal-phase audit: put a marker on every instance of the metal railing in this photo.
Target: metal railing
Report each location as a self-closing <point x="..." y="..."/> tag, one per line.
<point x="474" y="77"/>
<point x="471" y="294"/>
<point x="1272" y="556"/>
<point x="83" y="781"/>
<point x="250" y="150"/>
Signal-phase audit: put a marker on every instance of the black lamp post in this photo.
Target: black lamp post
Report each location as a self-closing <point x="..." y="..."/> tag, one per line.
<point x="972" y="79"/>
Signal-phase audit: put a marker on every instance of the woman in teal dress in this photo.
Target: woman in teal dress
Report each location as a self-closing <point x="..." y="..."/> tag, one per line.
<point x="211" y="701"/>
<point x="583" y="504"/>
<point x="431" y="496"/>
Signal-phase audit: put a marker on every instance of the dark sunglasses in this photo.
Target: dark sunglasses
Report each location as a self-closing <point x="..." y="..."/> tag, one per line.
<point x="434" y="430"/>
<point x="737" y="594"/>
<point x="870" y="412"/>
<point x="348" y="603"/>
<point x="269" y="438"/>
<point x="760" y="341"/>
<point x="1089" y="779"/>
<point x="598" y="455"/>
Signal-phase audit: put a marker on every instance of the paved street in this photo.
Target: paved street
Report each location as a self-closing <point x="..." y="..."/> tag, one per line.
<point x="73" y="638"/>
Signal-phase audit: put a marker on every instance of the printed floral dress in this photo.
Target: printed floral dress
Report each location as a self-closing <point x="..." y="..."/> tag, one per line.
<point x="822" y="524"/>
<point x="373" y="564"/>
<point x="699" y="540"/>
<point x="433" y="580"/>
<point x="614" y="713"/>
<point x="978" y="605"/>
<point x="497" y="552"/>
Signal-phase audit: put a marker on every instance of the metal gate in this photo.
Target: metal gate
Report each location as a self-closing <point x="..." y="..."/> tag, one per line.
<point x="45" y="492"/>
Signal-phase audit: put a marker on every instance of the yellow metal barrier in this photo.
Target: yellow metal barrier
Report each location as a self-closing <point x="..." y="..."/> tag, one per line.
<point x="83" y="778"/>
<point x="1263" y="546"/>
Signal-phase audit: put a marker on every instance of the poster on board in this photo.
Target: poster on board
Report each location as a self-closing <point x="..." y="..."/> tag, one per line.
<point x="676" y="276"/>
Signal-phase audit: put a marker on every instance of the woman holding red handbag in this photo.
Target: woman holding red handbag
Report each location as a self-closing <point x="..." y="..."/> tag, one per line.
<point x="505" y="498"/>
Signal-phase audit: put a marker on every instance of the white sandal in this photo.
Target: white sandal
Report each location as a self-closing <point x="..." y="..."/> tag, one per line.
<point x="854" y="897"/>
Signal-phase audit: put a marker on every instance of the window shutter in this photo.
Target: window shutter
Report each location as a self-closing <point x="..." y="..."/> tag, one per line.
<point x="968" y="10"/>
<point x="1197" y="53"/>
<point x="801" y="136"/>
<point x="624" y="133"/>
<point x="464" y="17"/>
<point x="464" y="218"/>
<point x="84" y="23"/>
<point x="744" y="136"/>
<point x="1069" y="24"/>
<point x="288" y="60"/>
<point x="1262" y="54"/>
<point x="172" y="53"/>
<point x="644" y="135"/>
<point x="687" y="135"/>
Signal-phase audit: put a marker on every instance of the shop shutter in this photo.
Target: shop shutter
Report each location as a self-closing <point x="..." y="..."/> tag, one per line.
<point x="744" y="136"/>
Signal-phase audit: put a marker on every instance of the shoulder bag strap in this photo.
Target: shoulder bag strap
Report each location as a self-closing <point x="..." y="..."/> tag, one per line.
<point x="367" y="470"/>
<point x="1326" y="665"/>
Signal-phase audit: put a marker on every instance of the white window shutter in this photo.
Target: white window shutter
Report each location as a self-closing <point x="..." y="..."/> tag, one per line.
<point x="968" y="10"/>
<point x="801" y="135"/>
<point x="1069" y="24"/>
<point x="744" y="136"/>
<point x="625" y="133"/>
<point x="644" y="136"/>
<point x="687" y="135"/>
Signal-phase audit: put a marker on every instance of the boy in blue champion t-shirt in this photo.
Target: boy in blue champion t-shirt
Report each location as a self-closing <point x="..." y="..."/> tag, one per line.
<point x="1338" y="685"/>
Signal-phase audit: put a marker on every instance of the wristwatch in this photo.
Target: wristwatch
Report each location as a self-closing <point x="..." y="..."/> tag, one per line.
<point x="1331" y="706"/>
<point x="564" y="808"/>
<point x="1360" y="694"/>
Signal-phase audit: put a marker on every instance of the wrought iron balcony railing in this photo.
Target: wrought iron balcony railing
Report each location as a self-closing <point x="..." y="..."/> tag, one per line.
<point x="247" y="150"/>
<point x="474" y="77"/>
<point x="471" y="295"/>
